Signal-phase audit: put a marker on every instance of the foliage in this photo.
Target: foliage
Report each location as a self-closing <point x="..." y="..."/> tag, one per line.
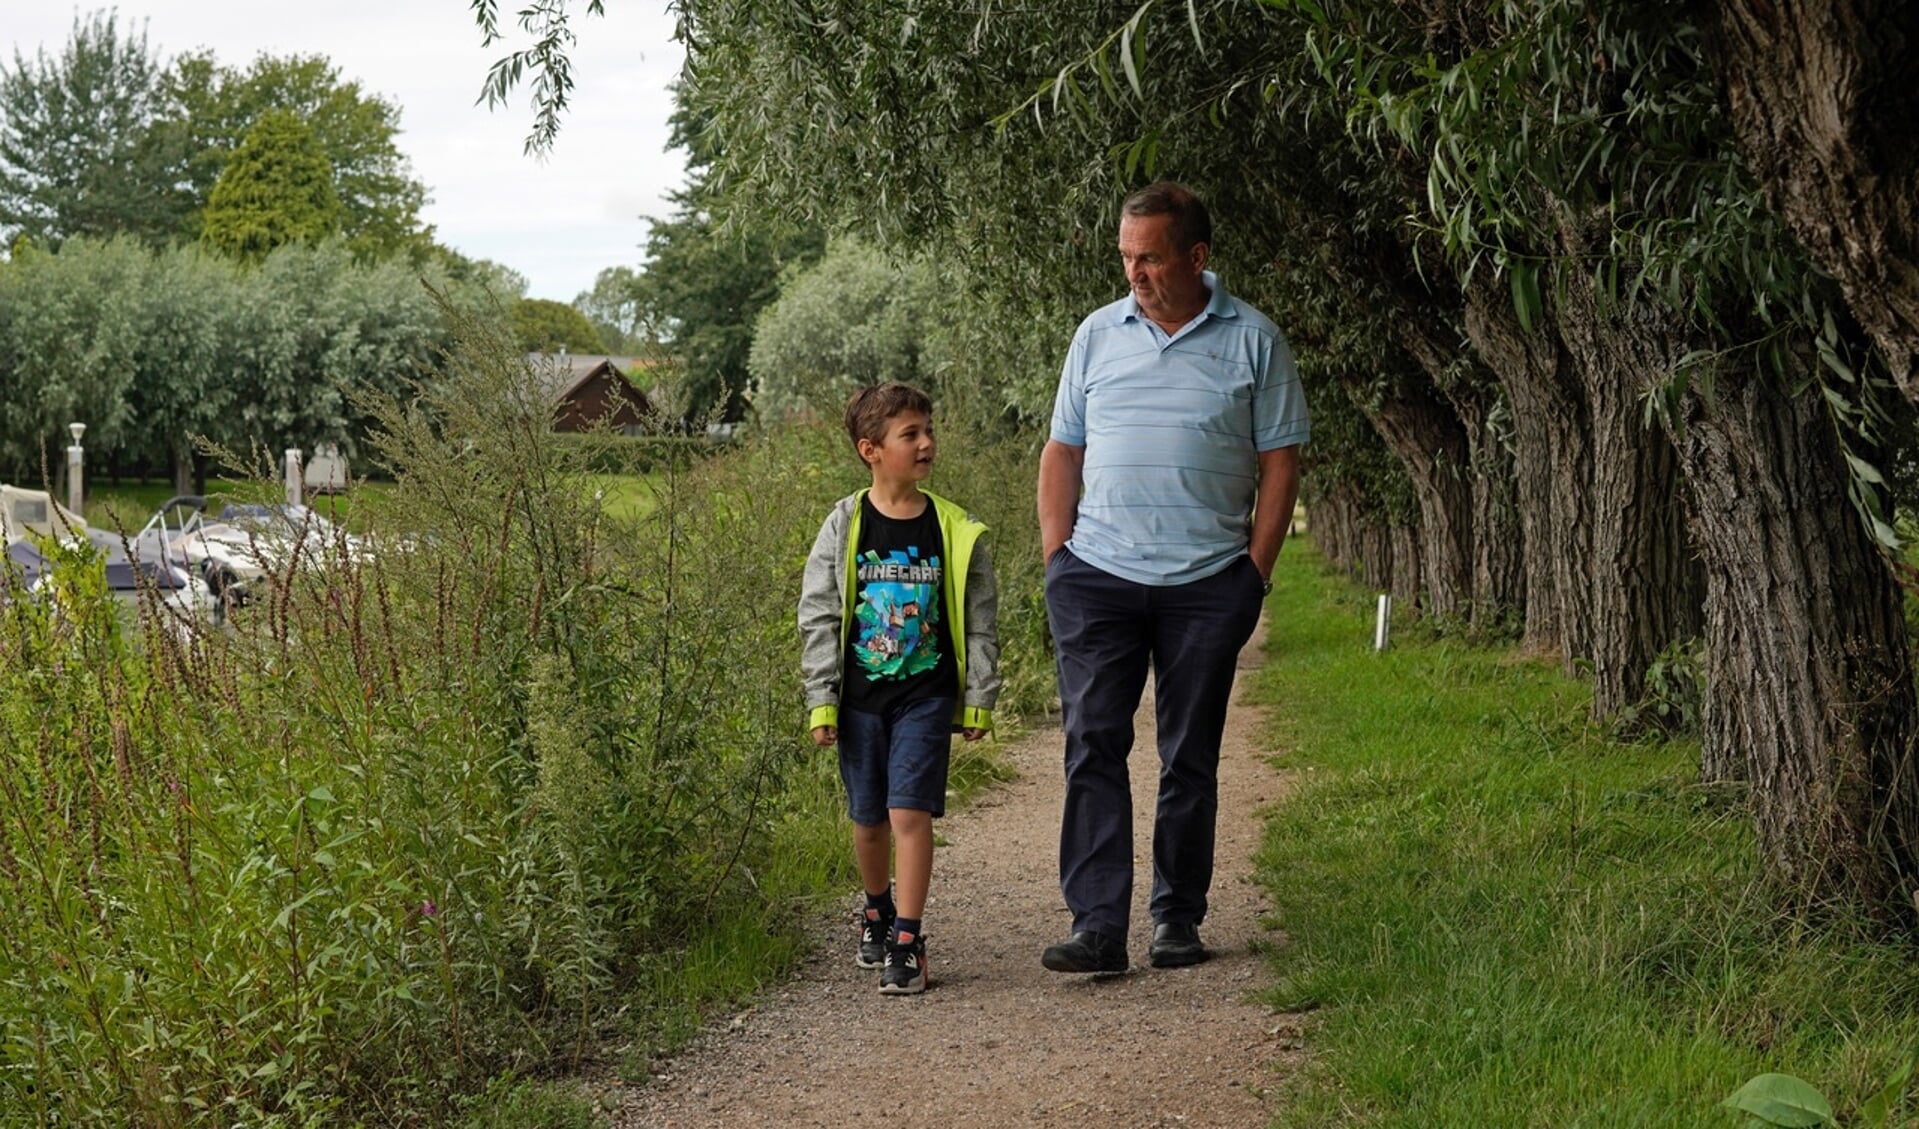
<point x="851" y="320"/>
<point x="212" y="108"/>
<point x="700" y="293"/>
<point x="110" y="139"/>
<point x="611" y="308"/>
<point x="158" y="350"/>
<point x="552" y="83"/>
<point x="1675" y="694"/>
<point x="79" y="153"/>
<point x="70" y="319"/>
<point x="1781" y="1100"/>
<point x="521" y="1103"/>
<point x="181" y="364"/>
<point x="277" y="189"/>
<point x="541" y="325"/>
<point x="1494" y="914"/>
<point x="542" y="769"/>
<point x="1786" y="1101"/>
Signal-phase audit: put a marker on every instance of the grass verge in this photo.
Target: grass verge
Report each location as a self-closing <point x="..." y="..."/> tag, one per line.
<point x="1499" y="916"/>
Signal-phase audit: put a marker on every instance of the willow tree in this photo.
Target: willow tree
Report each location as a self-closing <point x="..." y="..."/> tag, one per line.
<point x="1554" y="185"/>
<point x="1594" y="133"/>
<point x="1822" y="99"/>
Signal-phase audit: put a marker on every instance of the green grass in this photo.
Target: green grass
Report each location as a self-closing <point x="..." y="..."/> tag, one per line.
<point x="628" y="496"/>
<point x="128" y="505"/>
<point x="1499" y="917"/>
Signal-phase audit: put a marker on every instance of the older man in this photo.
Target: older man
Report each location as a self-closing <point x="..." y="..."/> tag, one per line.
<point x="1165" y="492"/>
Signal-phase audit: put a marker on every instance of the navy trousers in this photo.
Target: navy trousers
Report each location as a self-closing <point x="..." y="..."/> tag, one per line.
<point x="1106" y="632"/>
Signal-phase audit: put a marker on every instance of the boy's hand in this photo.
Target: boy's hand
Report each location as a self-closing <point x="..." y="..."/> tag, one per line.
<point x="829" y="735"/>
<point x="972" y="734"/>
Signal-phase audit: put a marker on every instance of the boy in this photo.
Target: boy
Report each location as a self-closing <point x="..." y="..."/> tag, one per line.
<point x="898" y="650"/>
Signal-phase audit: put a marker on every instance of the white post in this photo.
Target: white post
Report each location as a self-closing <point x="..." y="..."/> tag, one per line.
<point x="1383" y="623"/>
<point x="76" y="460"/>
<point x="293" y="476"/>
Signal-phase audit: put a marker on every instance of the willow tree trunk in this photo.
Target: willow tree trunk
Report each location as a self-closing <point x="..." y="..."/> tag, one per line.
<point x="1330" y="523"/>
<point x="1408" y="564"/>
<point x="1422" y="431"/>
<point x="1646" y="591"/>
<point x="1375" y="542"/>
<point x="1823" y="99"/>
<point x="1443" y="352"/>
<point x="1552" y="468"/>
<point x="1808" y="669"/>
<point x="1499" y="564"/>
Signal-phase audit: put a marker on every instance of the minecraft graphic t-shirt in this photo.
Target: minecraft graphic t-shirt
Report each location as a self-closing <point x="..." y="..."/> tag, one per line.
<point x="899" y="649"/>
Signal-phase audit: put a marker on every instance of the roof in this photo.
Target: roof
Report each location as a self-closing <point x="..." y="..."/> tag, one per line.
<point x="561" y="373"/>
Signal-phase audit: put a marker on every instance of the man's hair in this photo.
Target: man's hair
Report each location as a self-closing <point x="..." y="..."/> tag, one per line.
<point x="1192" y="224"/>
<point x="872" y="408"/>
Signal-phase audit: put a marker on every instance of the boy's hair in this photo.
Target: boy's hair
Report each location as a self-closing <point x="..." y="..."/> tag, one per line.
<point x="870" y="409"/>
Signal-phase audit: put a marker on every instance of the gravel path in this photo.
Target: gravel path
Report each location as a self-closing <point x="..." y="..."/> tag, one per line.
<point x="996" y="1040"/>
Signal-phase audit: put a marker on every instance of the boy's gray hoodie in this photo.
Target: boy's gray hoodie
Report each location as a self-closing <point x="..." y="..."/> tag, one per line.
<point x="829" y="587"/>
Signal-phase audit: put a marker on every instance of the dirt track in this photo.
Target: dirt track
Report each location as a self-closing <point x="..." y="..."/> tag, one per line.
<point x="997" y="1040"/>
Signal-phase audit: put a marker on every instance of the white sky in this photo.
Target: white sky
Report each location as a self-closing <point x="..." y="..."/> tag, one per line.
<point x="558" y="221"/>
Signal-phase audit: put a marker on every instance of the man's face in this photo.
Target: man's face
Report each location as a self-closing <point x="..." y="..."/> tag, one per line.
<point x="1166" y="282"/>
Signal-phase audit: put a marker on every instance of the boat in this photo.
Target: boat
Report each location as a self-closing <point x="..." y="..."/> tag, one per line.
<point x="33" y="526"/>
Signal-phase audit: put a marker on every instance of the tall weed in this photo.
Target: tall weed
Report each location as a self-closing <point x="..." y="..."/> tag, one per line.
<point x="423" y="815"/>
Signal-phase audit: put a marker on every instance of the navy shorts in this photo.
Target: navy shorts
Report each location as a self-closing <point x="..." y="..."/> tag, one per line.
<point x="896" y="760"/>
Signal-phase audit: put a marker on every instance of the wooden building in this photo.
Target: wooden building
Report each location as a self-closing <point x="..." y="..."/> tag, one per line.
<point x="587" y="390"/>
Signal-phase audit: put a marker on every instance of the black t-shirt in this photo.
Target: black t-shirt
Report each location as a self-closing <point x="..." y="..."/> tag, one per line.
<point x="900" y="649"/>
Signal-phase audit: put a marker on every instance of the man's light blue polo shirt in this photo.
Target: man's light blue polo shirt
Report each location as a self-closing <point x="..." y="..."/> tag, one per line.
<point x="1172" y="427"/>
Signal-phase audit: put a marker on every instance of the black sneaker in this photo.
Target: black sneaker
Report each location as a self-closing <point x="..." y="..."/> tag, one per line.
<point x="905" y="971"/>
<point x="1086" y="951"/>
<point x="873" y="933"/>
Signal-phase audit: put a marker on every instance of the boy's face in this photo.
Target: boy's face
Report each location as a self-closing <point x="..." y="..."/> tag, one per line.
<point x="905" y="455"/>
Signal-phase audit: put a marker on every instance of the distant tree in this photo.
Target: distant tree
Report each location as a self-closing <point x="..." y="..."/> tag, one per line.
<point x="79" y="154"/>
<point x="542" y="325"/>
<point x="852" y="319"/>
<point x="311" y="326"/>
<point x="72" y="321"/>
<point x="614" y="310"/>
<point x="212" y="109"/>
<point x="701" y="292"/>
<point x="183" y="361"/>
<point x="481" y="285"/>
<point x="277" y="189"/>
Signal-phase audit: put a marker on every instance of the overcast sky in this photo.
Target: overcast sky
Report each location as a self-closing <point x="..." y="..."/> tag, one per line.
<point x="558" y="221"/>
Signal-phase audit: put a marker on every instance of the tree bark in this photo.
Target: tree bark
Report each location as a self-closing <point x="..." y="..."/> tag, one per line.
<point x="1422" y="431"/>
<point x="1497" y="566"/>
<point x="1329" y="524"/>
<point x="1808" y="666"/>
<point x="1375" y="555"/>
<point x="1403" y="542"/>
<point x="1646" y="587"/>
<point x="1823" y="97"/>
<point x="1552" y="459"/>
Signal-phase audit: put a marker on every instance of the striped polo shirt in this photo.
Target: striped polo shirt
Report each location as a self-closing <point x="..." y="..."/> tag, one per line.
<point x="1172" y="427"/>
